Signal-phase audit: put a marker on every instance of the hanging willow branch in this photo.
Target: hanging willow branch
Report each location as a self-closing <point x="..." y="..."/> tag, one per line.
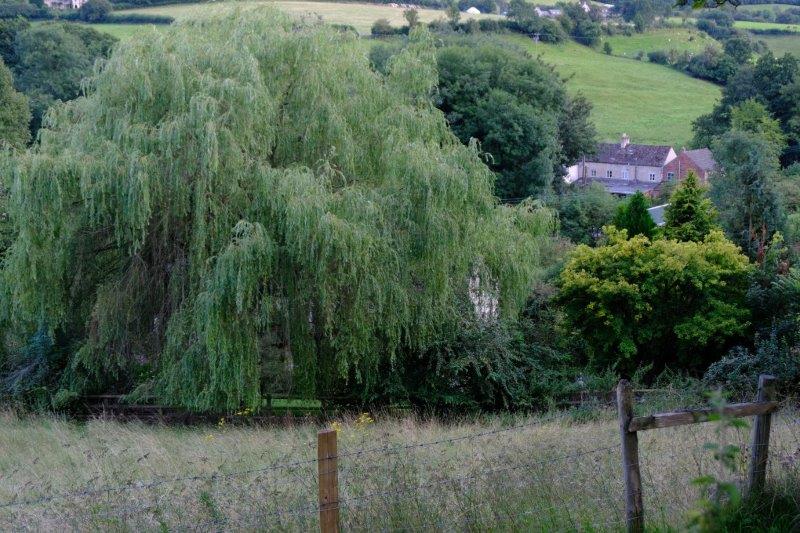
<point x="260" y="189"/>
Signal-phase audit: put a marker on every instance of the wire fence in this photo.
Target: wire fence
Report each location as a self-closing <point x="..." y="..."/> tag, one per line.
<point x="543" y="473"/>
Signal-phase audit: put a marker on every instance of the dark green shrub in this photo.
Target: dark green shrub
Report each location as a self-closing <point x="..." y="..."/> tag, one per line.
<point x="658" y="56"/>
<point x="777" y="353"/>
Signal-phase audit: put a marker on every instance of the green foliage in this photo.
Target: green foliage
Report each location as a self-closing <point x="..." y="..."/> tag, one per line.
<point x="27" y="374"/>
<point x="772" y="82"/>
<point x="717" y="495"/>
<point x="8" y="32"/>
<point x="753" y="117"/>
<point x="636" y="301"/>
<point x="14" y="113"/>
<point x="453" y="12"/>
<point x="382" y="28"/>
<point x="690" y="215"/>
<point x="633" y="216"/>
<point x="580" y="25"/>
<point x="95" y="10"/>
<point x="516" y="107"/>
<point x="583" y="211"/>
<point x="412" y="17"/>
<point x="52" y="59"/>
<point x="743" y="191"/>
<point x="246" y="189"/>
<point x="482" y="367"/>
<point x="776" y="353"/>
<point x="607" y="48"/>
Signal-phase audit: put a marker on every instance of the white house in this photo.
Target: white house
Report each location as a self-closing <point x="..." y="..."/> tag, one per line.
<point x="64" y="4"/>
<point x="474" y="11"/>
<point x="624" y="168"/>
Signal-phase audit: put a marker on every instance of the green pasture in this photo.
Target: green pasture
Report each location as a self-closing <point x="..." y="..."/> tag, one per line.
<point x="680" y="39"/>
<point x="651" y="103"/>
<point x="781" y="44"/>
<point x="748" y="25"/>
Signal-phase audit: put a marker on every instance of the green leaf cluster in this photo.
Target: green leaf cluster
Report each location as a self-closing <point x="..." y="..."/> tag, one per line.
<point x="663" y="302"/>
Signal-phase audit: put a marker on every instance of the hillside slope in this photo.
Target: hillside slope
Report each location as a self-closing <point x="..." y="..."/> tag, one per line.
<point x="651" y="103"/>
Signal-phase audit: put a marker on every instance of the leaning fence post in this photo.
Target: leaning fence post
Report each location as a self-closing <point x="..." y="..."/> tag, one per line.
<point x="634" y="510"/>
<point x="328" y="481"/>
<point x="757" y="473"/>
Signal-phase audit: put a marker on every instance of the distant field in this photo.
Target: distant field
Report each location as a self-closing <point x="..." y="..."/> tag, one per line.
<point x="747" y="25"/>
<point x="777" y="8"/>
<point x="124" y="31"/>
<point x="680" y="39"/>
<point x="362" y="16"/>
<point x="781" y="44"/>
<point x="651" y="103"/>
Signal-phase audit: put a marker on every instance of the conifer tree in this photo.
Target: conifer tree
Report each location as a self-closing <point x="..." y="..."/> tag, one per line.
<point x="633" y="216"/>
<point x="690" y="215"/>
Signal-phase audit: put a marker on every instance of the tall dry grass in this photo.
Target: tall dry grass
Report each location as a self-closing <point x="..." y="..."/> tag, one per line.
<point x="549" y="472"/>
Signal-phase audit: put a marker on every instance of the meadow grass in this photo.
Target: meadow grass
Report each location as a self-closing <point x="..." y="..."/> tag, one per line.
<point x="749" y="25"/>
<point x="651" y="103"/>
<point x="502" y="473"/>
<point x="680" y="39"/>
<point x="781" y="44"/>
<point x="361" y="16"/>
<point x="126" y="31"/>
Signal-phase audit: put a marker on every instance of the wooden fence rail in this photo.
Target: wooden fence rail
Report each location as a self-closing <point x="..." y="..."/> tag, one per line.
<point x="629" y="425"/>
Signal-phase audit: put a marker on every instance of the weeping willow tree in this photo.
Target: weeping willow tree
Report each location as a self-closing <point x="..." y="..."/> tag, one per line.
<point x="245" y="190"/>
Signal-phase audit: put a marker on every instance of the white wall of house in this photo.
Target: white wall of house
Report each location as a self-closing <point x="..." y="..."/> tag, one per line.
<point x="619" y="172"/>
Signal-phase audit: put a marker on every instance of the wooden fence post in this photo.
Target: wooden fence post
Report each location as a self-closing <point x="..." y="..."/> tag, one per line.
<point x="634" y="510"/>
<point x="757" y="473"/>
<point x="328" y="481"/>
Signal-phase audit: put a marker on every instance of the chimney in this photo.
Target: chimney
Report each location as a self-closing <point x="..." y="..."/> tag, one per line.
<point x="625" y="140"/>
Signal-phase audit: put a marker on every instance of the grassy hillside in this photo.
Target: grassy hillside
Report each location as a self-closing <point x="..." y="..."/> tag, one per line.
<point x="652" y="103"/>
<point x="781" y="44"/>
<point x="359" y="15"/>
<point x="748" y="25"/>
<point x="681" y="39"/>
<point x="124" y="31"/>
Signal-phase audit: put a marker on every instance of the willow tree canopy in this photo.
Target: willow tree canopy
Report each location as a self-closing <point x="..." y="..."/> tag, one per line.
<point x="243" y="190"/>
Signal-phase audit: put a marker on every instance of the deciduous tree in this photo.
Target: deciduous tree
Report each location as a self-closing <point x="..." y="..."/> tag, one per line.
<point x="636" y="302"/>
<point x="14" y="113"/>
<point x="244" y="193"/>
<point x="743" y="190"/>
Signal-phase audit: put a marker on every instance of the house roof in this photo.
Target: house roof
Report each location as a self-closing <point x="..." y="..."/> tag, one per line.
<point x="626" y="187"/>
<point x="703" y="158"/>
<point x="631" y="154"/>
<point x="657" y="214"/>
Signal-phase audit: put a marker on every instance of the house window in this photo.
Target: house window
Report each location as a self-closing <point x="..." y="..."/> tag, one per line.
<point x="670" y="175"/>
<point x="609" y="173"/>
<point x="593" y="172"/>
<point x="652" y="176"/>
